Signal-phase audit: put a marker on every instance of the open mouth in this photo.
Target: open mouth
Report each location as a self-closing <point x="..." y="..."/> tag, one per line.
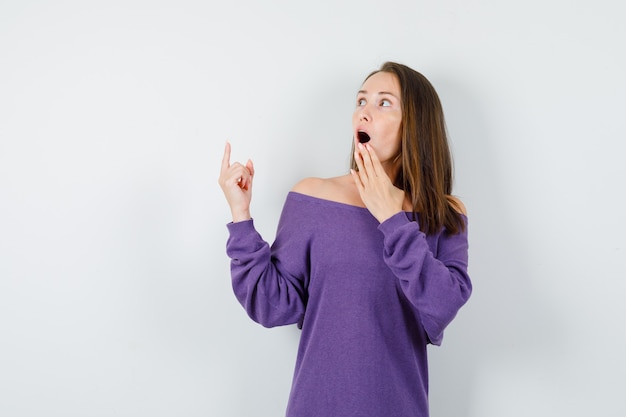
<point x="363" y="137"/>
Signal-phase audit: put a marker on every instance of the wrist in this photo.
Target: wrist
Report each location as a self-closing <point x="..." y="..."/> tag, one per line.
<point x="240" y="216"/>
<point x="387" y="215"/>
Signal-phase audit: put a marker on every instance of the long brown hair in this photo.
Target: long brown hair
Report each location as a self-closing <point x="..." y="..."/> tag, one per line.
<point x="426" y="162"/>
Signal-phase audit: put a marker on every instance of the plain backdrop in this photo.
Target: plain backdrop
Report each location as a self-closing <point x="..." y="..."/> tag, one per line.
<point x="115" y="296"/>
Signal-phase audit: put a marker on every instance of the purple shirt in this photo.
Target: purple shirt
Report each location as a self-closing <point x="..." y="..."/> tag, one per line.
<point x="368" y="297"/>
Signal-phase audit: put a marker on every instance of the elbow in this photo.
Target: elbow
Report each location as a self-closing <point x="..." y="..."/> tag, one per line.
<point x="273" y="318"/>
<point x="436" y="320"/>
<point x="267" y="314"/>
<point x="269" y="301"/>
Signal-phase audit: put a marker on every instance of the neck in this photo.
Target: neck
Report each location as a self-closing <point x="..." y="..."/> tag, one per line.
<point x="392" y="168"/>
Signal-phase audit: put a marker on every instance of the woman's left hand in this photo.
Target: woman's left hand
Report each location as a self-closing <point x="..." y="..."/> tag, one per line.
<point x="378" y="193"/>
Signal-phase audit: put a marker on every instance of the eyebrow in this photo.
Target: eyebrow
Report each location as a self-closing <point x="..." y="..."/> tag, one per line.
<point x="379" y="93"/>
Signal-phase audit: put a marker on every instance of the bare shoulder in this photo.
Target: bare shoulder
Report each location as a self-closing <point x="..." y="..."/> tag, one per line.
<point x="340" y="189"/>
<point x="309" y="186"/>
<point x="457" y="204"/>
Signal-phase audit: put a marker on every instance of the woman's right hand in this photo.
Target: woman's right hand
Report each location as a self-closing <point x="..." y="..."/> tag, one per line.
<point x="236" y="183"/>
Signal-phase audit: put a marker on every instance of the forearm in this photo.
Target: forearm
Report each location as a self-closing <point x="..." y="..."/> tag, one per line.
<point x="437" y="286"/>
<point x="269" y="296"/>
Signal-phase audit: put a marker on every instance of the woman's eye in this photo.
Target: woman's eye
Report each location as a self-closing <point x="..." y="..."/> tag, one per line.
<point x="385" y="103"/>
<point x="360" y="102"/>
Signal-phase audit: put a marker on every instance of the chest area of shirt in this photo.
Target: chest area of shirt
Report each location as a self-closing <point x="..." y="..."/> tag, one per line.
<point x="348" y="256"/>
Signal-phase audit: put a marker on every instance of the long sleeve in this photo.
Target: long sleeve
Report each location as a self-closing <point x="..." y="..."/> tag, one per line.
<point x="368" y="297"/>
<point x="268" y="282"/>
<point x="432" y="273"/>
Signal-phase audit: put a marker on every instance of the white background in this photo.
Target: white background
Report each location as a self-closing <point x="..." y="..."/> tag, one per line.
<point x="115" y="297"/>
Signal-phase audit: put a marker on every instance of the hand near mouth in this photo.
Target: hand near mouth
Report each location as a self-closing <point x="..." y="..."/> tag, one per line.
<point x="378" y="193"/>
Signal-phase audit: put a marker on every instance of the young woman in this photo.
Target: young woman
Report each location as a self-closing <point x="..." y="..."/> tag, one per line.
<point x="372" y="265"/>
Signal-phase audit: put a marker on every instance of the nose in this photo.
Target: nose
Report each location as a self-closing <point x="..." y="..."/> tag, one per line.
<point x="364" y="115"/>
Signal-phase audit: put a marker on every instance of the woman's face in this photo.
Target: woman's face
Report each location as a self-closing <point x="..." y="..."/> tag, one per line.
<point x="378" y="113"/>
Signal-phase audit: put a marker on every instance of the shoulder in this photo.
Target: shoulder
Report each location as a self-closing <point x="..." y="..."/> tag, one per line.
<point x="339" y="189"/>
<point x="457" y="204"/>
<point x="320" y="187"/>
<point x="309" y="186"/>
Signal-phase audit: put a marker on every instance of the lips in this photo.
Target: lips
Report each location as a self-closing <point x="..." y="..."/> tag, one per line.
<point x="363" y="137"/>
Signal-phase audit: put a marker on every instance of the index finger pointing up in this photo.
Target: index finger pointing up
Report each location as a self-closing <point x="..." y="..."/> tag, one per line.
<point x="226" y="158"/>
